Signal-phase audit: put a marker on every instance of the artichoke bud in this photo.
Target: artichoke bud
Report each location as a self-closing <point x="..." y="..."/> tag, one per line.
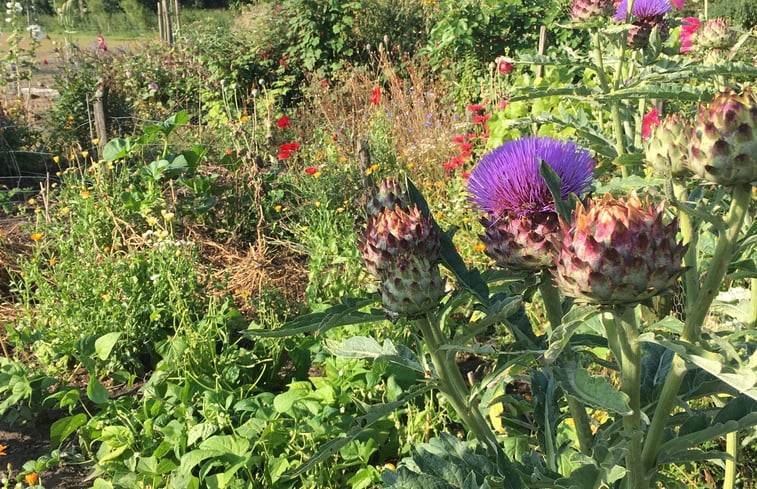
<point x="668" y="146"/>
<point x="715" y="34"/>
<point x="588" y="10"/>
<point x="618" y="252"/>
<point x="401" y="250"/>
<point x="388" y="195"/>
<point x="529" y="242"/>
<point x="723" y="147"/>
<point x="641" y="32"/>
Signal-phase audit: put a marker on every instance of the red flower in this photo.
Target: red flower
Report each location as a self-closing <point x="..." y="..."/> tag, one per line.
<point x="689" y="26"/>
<point x="502" y="104"/>
<point x="449" y="166"/>
<point x="325" y="83"/>
<point x="460" y="138"/>
<point x="376" y="95"/>
<point x="286" y="150"/>
<point x="228" y="152"/>
<point x="465" y="174"/>
<point x="505" y="67"/>
<point x="651" y="119"/>
<point x="466" y="146"/>
<point x="475" y="107"/>
<point x="283" y="122"/>
<point x="311" y="170"/>
<point x="481" y="119"/>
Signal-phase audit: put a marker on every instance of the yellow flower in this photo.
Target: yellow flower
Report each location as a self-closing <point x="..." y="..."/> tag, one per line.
<point x="339" y="210"/>
<point x="479" y="247"/>
<point x="85" y="194"/>
<point x="105" y="297"/>
<point x="342" y="159"/>
<point x="410" y="165"/>
<point x="31" y="201"/>
<point x="57" y="173"/>
<point x="35" y="236"/>
<point x="53" y="261"/>
<point x="317" y="174"/>
<point x="390" y="466"/>
<point x="317" y="203"/>
<point x="84" y="153"/>
<point x="3" y="448"/>
<point x="243" y="118"/>
<point x="466" y="220"/>
<point x="277" y="208"/>
<point x="95" y="141"/>
<point x="151" y="221"/>
<point x="106" y="249"/>
<point x="64" y="210"/>
<point x="167" y="215"/>
<point x="162" y="234"/>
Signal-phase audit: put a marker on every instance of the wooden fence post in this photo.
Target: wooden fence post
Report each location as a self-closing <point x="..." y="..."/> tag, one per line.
<point x="98" y="107"/>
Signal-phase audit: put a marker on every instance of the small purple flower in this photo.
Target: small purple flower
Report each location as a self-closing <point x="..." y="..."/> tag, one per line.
<point x="153" y="86"/>
<point x="642" y="9"/>
<point x="507" y="179"/>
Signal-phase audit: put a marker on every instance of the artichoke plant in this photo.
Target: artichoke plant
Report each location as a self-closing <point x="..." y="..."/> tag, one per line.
<point x="520" y="222"/>
<point x="646" y="15"/>
<point x="715" y="34"/>
<point x="724" y="141"/>
<point x="401" y="250"/>
<point x="618" y="252"/>
<point x="588" y="10"/>
<point x="668" y="146"/>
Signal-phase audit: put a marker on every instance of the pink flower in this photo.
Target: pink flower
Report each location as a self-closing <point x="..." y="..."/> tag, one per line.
<point x="689" y="26"/>
<point x="504" y="65"/>
<point x="502" y="104"/>
<point x="283" y="122"/>
<point x="376" y="95"/>
<point x="651" y="120"/>
<point x="475" y="107"/>
<point x="481" y="119"/>
<point x="678" y="3"/>
<point x="101" y="43"/>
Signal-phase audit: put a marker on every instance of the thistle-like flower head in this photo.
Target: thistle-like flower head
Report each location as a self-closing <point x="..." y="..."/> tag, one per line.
<point x="507" y="180"/>
<point x="642" y="9"/>
<point x="618" y="252"/>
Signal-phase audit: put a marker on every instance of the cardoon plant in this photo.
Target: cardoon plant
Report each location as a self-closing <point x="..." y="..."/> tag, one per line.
<point x="520" y="222"/>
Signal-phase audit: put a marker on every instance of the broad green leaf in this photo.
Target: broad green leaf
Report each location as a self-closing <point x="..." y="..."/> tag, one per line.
<point x="373" y="414"/>
<point x="115" y="149"/>
<point x="104" y="345"/>
<point x="62" y="428"/>
<point x="96" y="392"/>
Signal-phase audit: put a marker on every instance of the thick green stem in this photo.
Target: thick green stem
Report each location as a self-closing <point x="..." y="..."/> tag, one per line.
<point x="553" y="304"/>
<point x="453" y="385"/>
<point x="695" y="316"/>
<point x="617" y="123"/>
<point x="689" y="235"/>
<point x="630" y="384"/>
<point x="732" y="449"/>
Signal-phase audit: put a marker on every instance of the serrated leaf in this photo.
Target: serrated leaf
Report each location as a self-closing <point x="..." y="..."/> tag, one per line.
<point x="564" y="207"/>
<point x="343" y="314"/>
<point x="594" y="391"/>
<point x="571" y="322"/>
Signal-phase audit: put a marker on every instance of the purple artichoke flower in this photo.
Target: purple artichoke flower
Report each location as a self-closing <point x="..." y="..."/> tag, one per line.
<point x="642" y="9"/>
<point x="507" y="181"/>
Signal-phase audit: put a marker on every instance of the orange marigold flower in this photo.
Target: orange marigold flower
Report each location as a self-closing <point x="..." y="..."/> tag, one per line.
<point x="479" y="247"/>
<point x="3" y="448"/>
<point x="35" y="236"/>
<point x="31" y="478"/>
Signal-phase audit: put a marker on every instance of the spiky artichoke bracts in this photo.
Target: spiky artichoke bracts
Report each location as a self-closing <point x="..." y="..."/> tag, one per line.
<point x="667" y="147"/>
<point x="401" y="250"/>
<point x="589" y="10"/>
<point x="618" y="252"/>
<point x="724" y="141"/>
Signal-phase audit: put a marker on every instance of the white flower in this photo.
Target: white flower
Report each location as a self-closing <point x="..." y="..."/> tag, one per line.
<point x="19" y="8"/>
<point x="155" y="277"/>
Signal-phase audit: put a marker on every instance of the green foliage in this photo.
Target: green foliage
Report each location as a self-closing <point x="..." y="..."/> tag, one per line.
<point x="741" y="12"/>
